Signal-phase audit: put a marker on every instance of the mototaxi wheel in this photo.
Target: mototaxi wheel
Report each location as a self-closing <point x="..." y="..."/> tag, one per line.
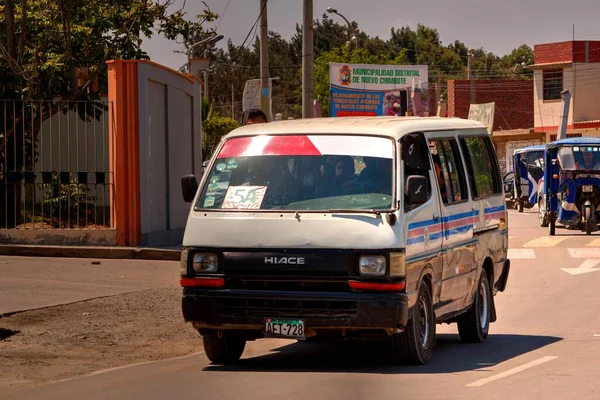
<point x="589" y="220"/>
<point x="542" y="216"/>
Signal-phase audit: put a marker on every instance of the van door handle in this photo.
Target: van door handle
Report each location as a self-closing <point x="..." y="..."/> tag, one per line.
<point x="436" y="217"/>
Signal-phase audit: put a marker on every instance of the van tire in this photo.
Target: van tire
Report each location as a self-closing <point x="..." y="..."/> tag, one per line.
<point x="474" y="325"/>
<point x="415" y="345"/>
<point x="226" y="349"/>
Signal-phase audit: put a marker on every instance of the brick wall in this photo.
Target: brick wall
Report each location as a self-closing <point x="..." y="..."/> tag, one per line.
<point x="513" y="98"/>
<point x="594" y="56"/>
<point x="566" y="51"/>
<point x="553" y="52"/>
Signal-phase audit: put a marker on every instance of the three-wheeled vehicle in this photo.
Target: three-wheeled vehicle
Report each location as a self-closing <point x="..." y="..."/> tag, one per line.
<point x="572" y="184"/>
<point x="528" y="169"/>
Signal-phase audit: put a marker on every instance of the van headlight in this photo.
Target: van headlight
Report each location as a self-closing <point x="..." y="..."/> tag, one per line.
<point x="205" y="263"/>
<point x="372" y="265"/>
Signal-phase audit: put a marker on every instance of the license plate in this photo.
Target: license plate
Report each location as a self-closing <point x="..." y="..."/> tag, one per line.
<point x="588" y="189"/>
<point x="285" y="328"/>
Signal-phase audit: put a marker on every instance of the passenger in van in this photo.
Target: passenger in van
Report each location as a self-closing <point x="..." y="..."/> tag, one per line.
<point x="324" y="185"/>
<point x="377" y="175"/>
<point x="437" y="163"/>
<point x="344" y="172"/>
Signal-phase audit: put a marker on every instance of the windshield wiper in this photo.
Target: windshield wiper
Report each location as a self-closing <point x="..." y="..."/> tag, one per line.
<point x="355" y="211"/>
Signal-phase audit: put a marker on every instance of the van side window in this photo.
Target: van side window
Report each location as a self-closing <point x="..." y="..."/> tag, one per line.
<point x="482" y="167"/>
<point x="415" y="159"/>
<point x="449" y="171"/>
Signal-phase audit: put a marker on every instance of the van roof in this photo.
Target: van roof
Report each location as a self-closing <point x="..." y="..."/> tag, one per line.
<point x="395" y="127"/>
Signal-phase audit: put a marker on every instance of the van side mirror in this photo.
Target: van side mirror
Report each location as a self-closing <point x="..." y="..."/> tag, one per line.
<point x="189" y="187"/>
<point x="416" y="190"/>
<point x="204" y="166"/>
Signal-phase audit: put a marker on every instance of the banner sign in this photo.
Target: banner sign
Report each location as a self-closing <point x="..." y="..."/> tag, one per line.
<point x="483" y="113"/>
<point x="370" y="90"/>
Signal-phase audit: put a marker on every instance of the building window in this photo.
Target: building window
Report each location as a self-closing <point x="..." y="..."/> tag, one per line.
<point x="553" y="84"/>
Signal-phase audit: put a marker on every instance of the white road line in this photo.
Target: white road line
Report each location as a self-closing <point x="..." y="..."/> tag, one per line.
<point x="521" y="254"/>
<point x="511" y="371"/>
<point x="584" y="253"/>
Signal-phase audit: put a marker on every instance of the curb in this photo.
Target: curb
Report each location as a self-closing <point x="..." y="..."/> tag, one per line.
<point x="115" y="253"/>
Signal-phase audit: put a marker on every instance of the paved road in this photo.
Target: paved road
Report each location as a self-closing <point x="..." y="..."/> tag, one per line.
<point x="28" y="283"/>
<point x="545" y="345"/>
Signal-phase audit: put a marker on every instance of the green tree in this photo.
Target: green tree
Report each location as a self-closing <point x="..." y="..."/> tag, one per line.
<point x="43" y="45"/>
<point x="215" y="127"/>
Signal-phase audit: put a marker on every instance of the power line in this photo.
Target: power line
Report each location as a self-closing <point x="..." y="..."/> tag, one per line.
<point x="252" y="28"/>
<point x="223" y="15"/>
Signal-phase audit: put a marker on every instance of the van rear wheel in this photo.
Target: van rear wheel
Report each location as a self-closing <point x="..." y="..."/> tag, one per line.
<point x="474" y="325"/>
<point x="226" y="348"/>
<point x="415" y="344"/>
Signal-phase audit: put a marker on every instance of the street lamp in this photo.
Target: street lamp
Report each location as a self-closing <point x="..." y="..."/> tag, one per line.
<point x="209" y="42"/>
<point x="351" y="30"/>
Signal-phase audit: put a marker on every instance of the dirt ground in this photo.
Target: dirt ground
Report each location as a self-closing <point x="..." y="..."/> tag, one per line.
<point x="55" y="343"/>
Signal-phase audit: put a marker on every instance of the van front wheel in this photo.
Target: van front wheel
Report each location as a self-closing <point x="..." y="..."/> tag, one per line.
<point x="474" y="325"/>
<point x="415" y="344"/>
<point x="226" y="348"/>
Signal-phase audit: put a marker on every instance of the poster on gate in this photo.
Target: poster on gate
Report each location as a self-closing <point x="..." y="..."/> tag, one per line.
<point x="373" y="90"/>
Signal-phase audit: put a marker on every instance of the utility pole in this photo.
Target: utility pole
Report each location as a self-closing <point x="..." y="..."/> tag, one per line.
<point x="265" y="97"/>
<point x="308" y="107"/>
<point x="232" y="103"/>
<point x="469" y="77"/>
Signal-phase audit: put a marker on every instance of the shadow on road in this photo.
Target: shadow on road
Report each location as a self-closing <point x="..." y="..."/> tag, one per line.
<point x="375" y="357"/>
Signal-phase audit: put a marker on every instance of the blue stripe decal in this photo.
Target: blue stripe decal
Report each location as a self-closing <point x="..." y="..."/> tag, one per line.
<point x="430" y="222"/>
<point x="460" y="229"/>
<point x="421" y="239"/>
<point x="428" y="254"/>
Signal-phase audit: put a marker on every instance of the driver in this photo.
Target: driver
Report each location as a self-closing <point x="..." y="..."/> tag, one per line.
<point x="590" y="162"/>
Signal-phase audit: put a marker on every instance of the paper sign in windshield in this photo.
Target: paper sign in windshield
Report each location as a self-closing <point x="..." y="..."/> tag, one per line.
<point x="244" y="197"/>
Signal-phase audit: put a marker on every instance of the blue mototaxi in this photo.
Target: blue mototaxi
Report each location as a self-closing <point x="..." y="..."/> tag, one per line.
<point x="528" y="169"/>
<point x="572" y="184"/>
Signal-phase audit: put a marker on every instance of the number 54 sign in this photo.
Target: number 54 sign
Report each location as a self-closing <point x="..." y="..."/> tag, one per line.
<point x="244" y="197"/>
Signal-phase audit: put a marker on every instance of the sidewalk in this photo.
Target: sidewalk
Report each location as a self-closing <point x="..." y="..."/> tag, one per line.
<point x="28" y="283"/>
<point x="131" y="253"/>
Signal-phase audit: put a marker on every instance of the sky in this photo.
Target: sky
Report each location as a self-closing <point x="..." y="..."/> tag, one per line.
<point x="497" y="26"/>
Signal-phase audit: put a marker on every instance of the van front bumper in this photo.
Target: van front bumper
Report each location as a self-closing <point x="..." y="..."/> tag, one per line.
<point x="248" y="309"/>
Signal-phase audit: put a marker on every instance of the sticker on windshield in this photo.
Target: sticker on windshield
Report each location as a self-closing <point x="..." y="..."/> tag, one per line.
<point x="221" y="166"/>
<point x="244" y="197"/>
<point x="209" y="201"/>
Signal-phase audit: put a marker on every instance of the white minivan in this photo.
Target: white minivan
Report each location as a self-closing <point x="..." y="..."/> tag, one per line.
<point x="345" y="228"/>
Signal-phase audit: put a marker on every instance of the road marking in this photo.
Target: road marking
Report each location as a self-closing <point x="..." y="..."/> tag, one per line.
<point x="594" y="243"/>
<point x="586" y="267"/>
<point x="511" y="371"/>
<point x="545" y="241"/>
<point x="126" y="366"/>
<point x="584" y="253"/>
<point x="596" y="335"/>
<point x="521" y="254"/>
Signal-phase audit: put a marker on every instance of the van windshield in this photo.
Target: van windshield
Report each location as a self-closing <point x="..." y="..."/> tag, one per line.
<point x="304" y="172"/>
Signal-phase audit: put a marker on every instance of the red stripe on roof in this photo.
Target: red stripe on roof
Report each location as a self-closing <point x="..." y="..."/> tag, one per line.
<point x="269" y="145"/>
